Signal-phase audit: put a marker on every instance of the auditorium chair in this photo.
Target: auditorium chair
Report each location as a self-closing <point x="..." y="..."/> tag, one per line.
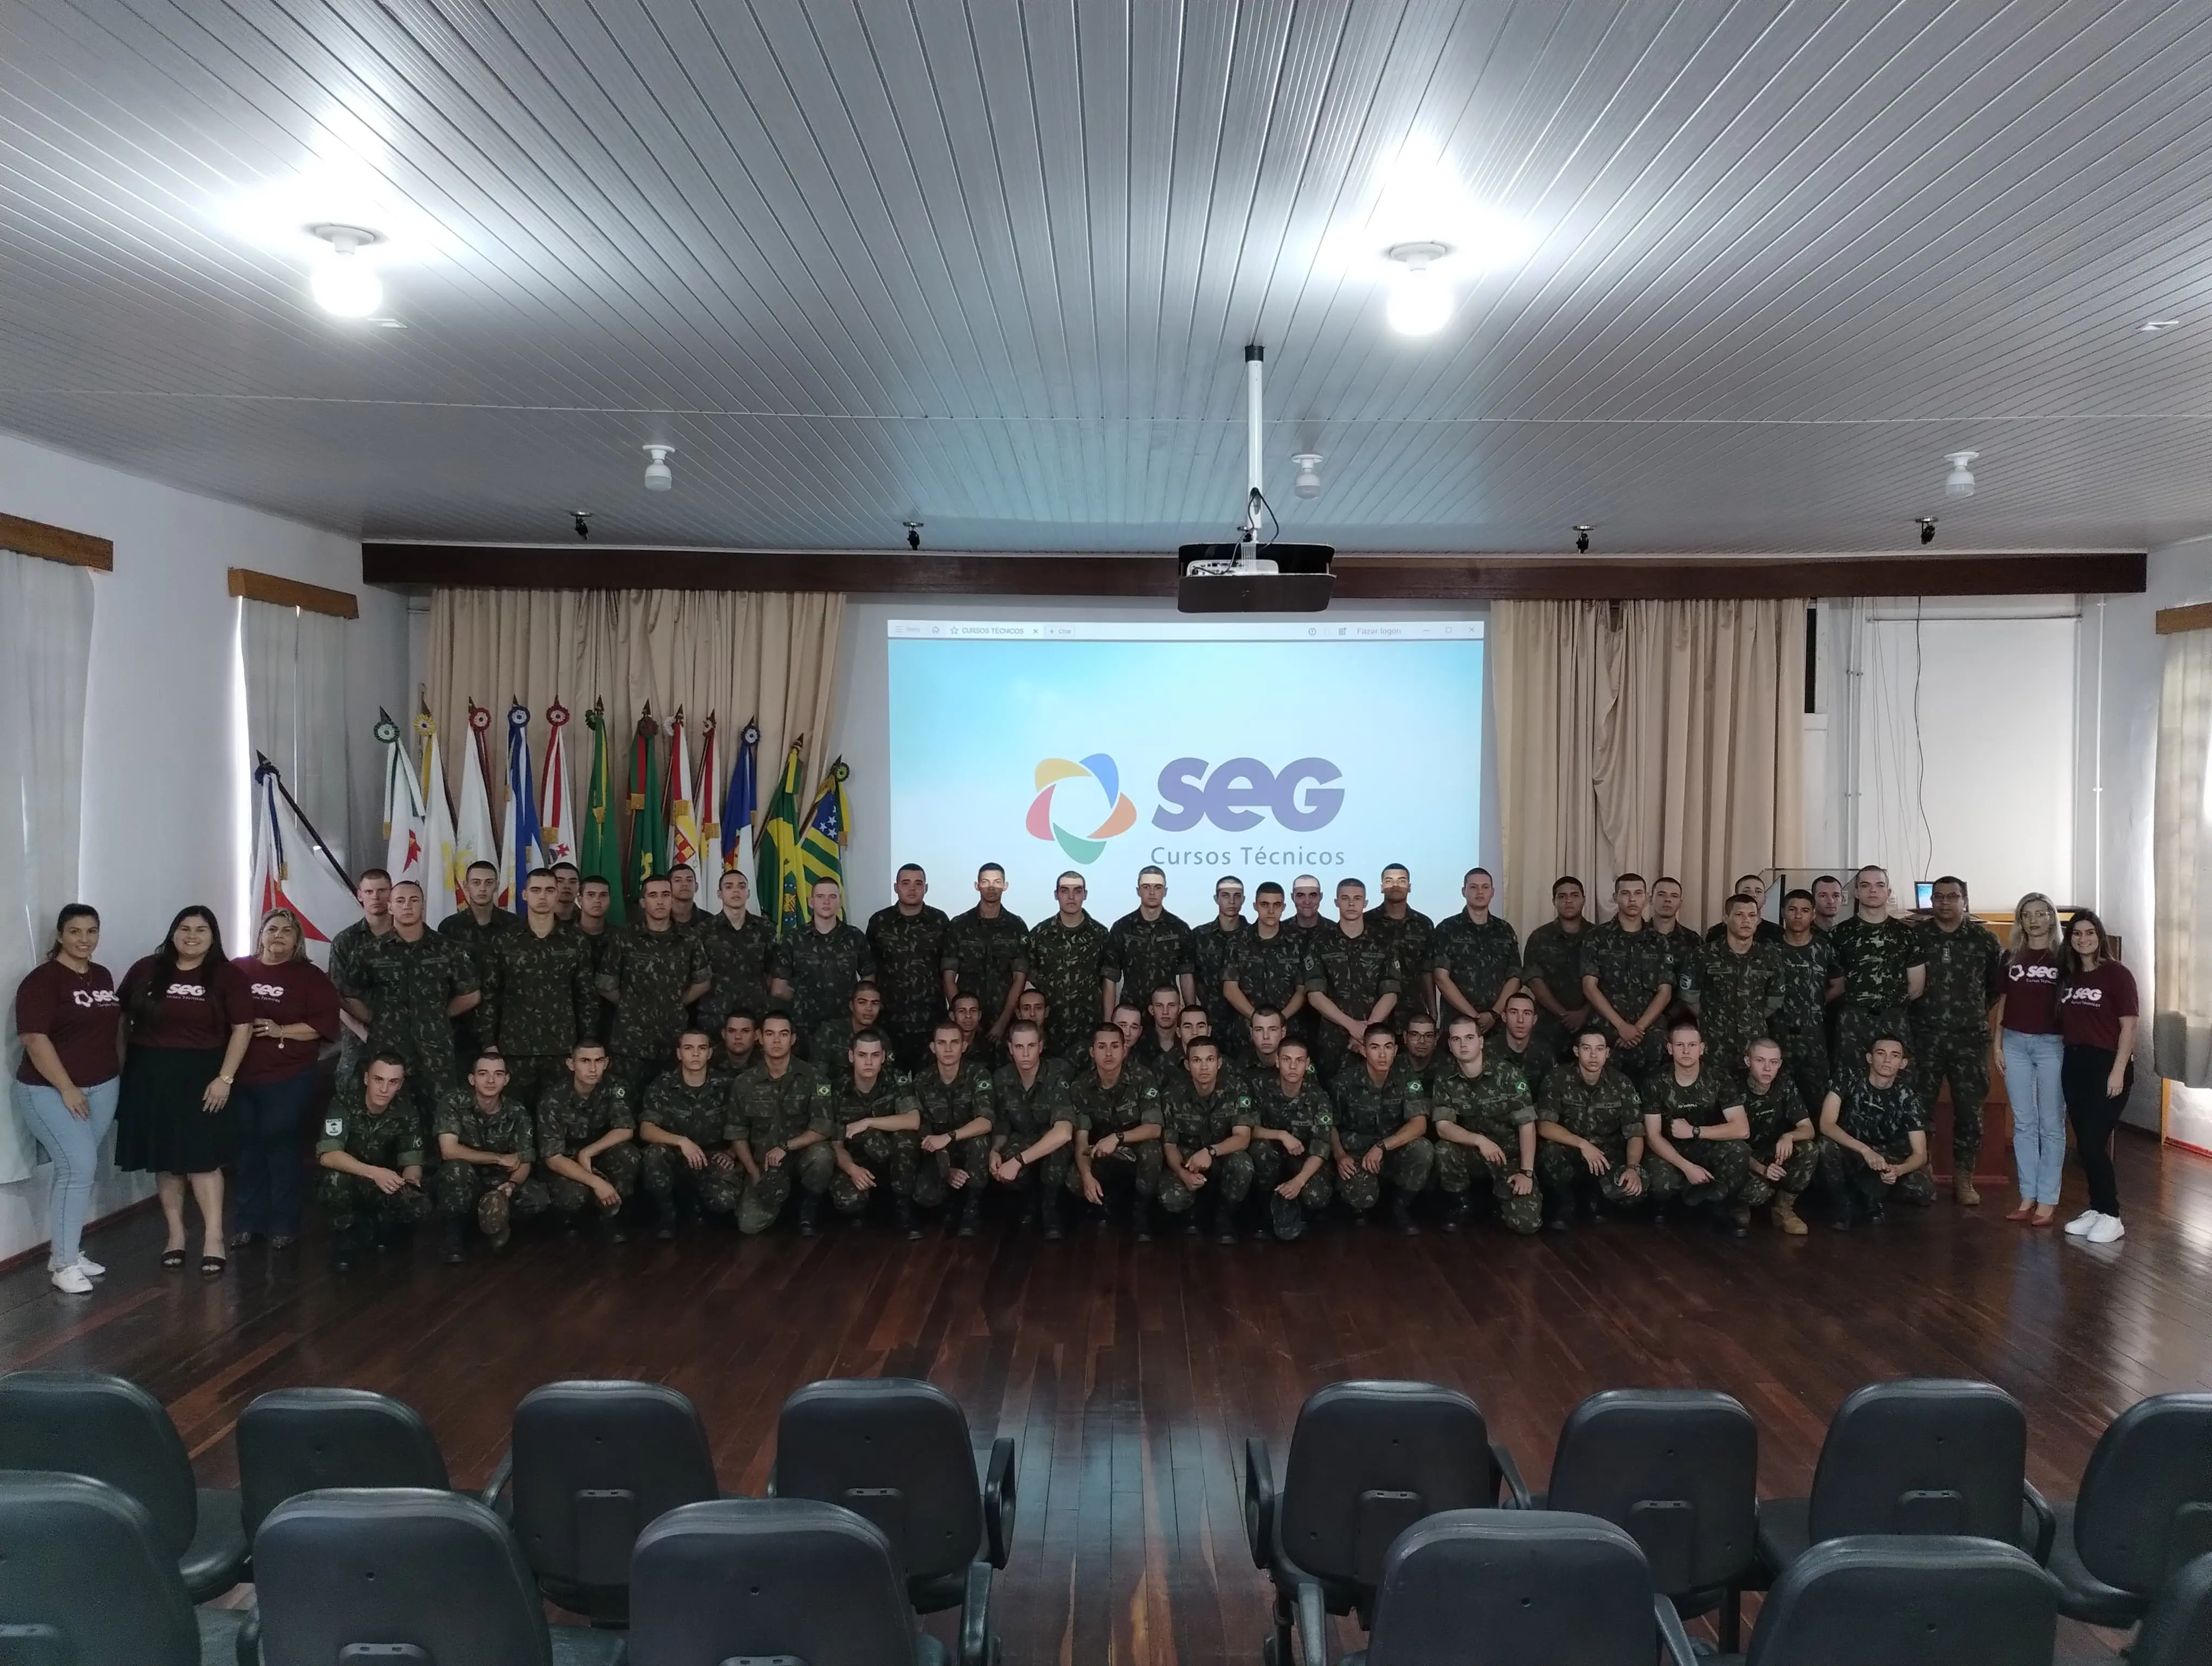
<point x="1367" y="1460"/>
<point x="590" y="1464"/>
<point x="85" y="1422"/>
<point x="1929" y="1454"/>
<point x="1908" y="1600"/>
<point x="897" y="1452"/>
<point x="2145" y="1510"/>
<point x="749" y="1579"/>
<point x="409" y="1576"/>
<point x="84" y="1582"/>
<point x="2178" y="1630"/>
<point x="1677" y="1469"/>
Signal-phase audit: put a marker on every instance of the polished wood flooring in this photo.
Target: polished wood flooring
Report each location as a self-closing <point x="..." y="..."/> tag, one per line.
<point x="1131" y="1375"/>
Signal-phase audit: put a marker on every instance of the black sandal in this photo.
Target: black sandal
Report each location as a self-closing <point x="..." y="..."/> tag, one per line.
<point x="211" y="1266"/>
<point x="173" y="1259"/>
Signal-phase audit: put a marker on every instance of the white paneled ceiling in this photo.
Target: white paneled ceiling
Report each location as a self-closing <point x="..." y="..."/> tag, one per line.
<point x="990" y="265"/>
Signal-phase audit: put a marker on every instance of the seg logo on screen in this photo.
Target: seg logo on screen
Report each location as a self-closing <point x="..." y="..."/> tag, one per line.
<point x="1238" y="794"/>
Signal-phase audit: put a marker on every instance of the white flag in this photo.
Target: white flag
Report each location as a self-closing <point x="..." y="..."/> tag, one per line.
<point x="559" y="831"/>
<point x="291" y="871"/>
<point x="474" y="839"/>
<point x="403" y="825"/>
<point x="441" y="858"/>
<point x="683" y="804"/>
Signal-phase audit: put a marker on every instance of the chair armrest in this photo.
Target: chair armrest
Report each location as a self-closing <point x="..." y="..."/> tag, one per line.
<point x="2046" y="1523"/>
<point x="1259" y="1502"/>
<point x="249" y="1638"/>
<point x="975" y="1647"/>
<point x="500" y="1477"/>
<point x="999" y="1500"/>
<point x="1516" y="1490"/>
<point x="1672" y="1636"/>
<point x="1313" y="1625"/>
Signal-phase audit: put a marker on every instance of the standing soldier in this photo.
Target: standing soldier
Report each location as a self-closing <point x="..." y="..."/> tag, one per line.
<point x="1064" y="956"/>
<point x="1381" y="1111"/>
<point x="878" y="1120"/>
<point x="1116" y="1113"/>
<point x="684" y="910"/>
<point x="1735" y="983"/>
<point x="780" y="1113"/>
<point x="1266" y="974"/>
<point x="474" y="930"/>
<point x="832" y="1044"/>
<point x="1214" y="948"/>
<point x="539" y="997"/>
<point x="956" y="1121"/>
<point x="907" y="942"/>
<point x="587" y="1140"/>
<point x="1590" y="1133"/>
<point x="686" y="1123"/>
<point x="1785" y="1154"/>
<point x="1879" y="971"/>
<point x="1667" y="918"/>
<point x="986" y="954"/>
<point x="1206" y="1135"/>
<point x="1752" y="885"/>
<point x="741" y="949"/>
<point x="1477" y="956"/>
<point x="1827" y="902"/>
<point x="1292" y="1129"/>
<point x="1352" y="979"/>
<point x="1807" y="956"/>
<point x="1147" y="947"/>
<point x="373" y="890"/>
<point x="1874" y="1132"/>
<point x="568" y="880"/>
<point x="406" y="987"/>
<point x="1515" y="1044"/>
<point x="487" y="1147"/>
<point x="371" y="1157"/>
<point x="1628" y="975"/>
<point x="595" y="896"/>
<point x="1964" y="982"/>
<point x="1033" y="1139"/>
<point x="652" y="973"/>
<point x="817" y="966"/>
<point x="1695" y="1132"/>
<point x="1553" y="971"/>
<point x="1410" y="936"/>
<point x="1484" y="1123"/>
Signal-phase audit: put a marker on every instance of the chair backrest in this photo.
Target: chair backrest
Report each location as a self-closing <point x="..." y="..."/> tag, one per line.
<point x="741" y="1578"/>
<point x="892" y="1449"/>
<point x="1677" y="1469"/>
<point x="87" y="1423"/>
<point x="305" y="1440"/>
<point x="594" y="1463"/>
<point x="2145" y="1508"/>
<point x="81" y="1580"/>
<point x="2178" y="1630"/>
<point x="1909" y="1602"/>
<point x="1470" y="1586"/>
<point x="392" y="1569"/>
<point x="1929" y="1454"/>
<point x="1368" y="1460"/>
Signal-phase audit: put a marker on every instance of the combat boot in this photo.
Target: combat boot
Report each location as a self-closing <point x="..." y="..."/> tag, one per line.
<point x="666" y="1230"/>
<point x="810" y="1214"/>
<point x="345" y="1249"/>
<point x="1048" y="1212"/>
<point x="452" y="1243"/>
<point x="971" y="1213"/>
<point x="1401" y="1214"/>
<point x="1224" y="1221"/>
<point x="610" y="1226"/>
<point x="1192" y="1226"/>
<point x="1458" y="1211"/>
<point x="1785" y="1216"/>
<point x="902" y="1217"/>
<point x="1962" y="1190"/>
<point x="1140" y="1218"/>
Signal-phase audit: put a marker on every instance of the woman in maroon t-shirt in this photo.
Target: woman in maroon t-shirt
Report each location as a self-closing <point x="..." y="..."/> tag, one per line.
<point x="70" y="1022"/>
<point x="2029" y="1055"/>
<point x="2097" y="1010"/>
<point x="294" y="1010"/>
<point x="190" y="1022"/>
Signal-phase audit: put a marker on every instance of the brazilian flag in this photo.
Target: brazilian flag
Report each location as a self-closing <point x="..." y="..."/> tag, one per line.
<point x="648" y="812"/>
<point x="828" y="825"/>
<point x="781" y="900"/>
<point x="598" y="851"/>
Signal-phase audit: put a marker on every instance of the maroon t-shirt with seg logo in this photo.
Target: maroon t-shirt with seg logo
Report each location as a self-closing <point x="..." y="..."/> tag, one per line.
<point x="78" y="1012"/>
<point x="194" y="1009"/>
<point x="2091" y="1006"/>
<point x="296" y="992"/>
<point x="2030" y="992"/>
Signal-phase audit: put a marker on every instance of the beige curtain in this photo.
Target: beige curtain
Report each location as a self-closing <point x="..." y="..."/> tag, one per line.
<point x="2181" y="865"/>
<point x="734" y="654"/>
<point x="1654" y="737"/>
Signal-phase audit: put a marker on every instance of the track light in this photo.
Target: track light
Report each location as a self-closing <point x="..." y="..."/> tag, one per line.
<point x="1582" y="538"/>
<point x="1307" y="484"/>
<point x="913" y="534"/>
<point x="1959" y="483"/>
<point x="1420" y="300"/>
<point x="583" y="523"/>
<point x="658" y="476"/>
<point x="343" y="283"/>
<point x="1927" y="529"/>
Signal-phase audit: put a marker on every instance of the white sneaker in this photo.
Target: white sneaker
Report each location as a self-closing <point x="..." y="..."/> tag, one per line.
<point x="2108" y="1230"/>
<point x="89" y="1266"/>
<point x="71" y="1281"/>
<point x="2083" y="1224"/>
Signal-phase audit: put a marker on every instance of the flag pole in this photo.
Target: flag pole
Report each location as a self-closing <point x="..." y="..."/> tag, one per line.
<point x="263" y="768"/>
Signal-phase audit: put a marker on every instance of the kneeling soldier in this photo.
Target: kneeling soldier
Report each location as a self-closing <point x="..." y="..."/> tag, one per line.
<point x="878" y="1145"/>
<point x="371" y="1156"/>
<point x="1205" y="1140"/>
<point x="955" y="1096"/>
<point x="1784" y="1152"/>
<point x="1292" y="1127"/>
<point x="489" y="1147"/>
<point x="781" y="1119"/>
<point x="1697" y="1150"/>
<point x="588" y="1139"/>
<point x="1117" y="1131"/>
<point x="685" y="1126"/>
<point x="1485" y="1131"/>
<point x="1590" y="1126"/>
<point x="1035" y="1140"/>
<point x="1876" y="1134"/>
<point x="1382" y="1126"/>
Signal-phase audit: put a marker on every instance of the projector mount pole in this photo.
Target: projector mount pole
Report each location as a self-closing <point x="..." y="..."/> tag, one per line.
<point x="1255" y="372"/>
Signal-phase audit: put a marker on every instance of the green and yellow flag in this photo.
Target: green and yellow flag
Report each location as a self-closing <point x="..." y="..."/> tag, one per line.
<point x="648" y="813"/>
<point x="781" y="900"/>
<point x="599" y="852"/>
<point x="828" y="825"/>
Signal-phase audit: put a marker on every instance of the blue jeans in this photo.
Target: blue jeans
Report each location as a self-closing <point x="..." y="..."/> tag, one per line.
<point x="2039" y="1113"/>
<point x="270" y="1115"/>
<point x="73" y="1144"/>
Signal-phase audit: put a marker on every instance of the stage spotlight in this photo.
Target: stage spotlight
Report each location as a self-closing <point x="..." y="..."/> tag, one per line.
<point x="913" y="534"/>
<point x="583" y="523"/>
<point x="1927" y="529"/>
<point x="1582" y="538"/>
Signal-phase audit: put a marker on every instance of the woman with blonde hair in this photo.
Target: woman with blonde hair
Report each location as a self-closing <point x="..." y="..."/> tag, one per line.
<point x="2028" y="1054"/>
<point x="294" y="1009"/>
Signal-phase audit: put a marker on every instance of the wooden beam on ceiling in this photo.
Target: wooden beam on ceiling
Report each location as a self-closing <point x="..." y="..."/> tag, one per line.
<point x="294" y="593"/>
<point x="35" y="538"/>
<point x="2173" y="621"/>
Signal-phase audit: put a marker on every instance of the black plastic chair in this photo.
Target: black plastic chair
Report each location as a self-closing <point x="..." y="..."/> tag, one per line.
<point x="749" y="1578"/>
<point x="404" y="1575"/>
<point x="1480" y="1586"/>
<point x="84" y="1583"/>
<point x="2144" y="1511"/>
<point x="1677" y="1469"/>
<point x="1927" y="1456"/>
<point x="898" y="1453"/>
<point x="592" y="1465"/>
<point x="1909" y="1602"/>
<point x="1367" y="1460"/>
<point x="86" y="1423"/>
<point x="2178" y="1630"/>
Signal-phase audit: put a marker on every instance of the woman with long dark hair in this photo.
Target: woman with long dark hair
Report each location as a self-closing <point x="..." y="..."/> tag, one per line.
<point x="190" y="1020"/>
<point x="293" y="1010"/>
<point x="2097" y="1011"/>
<point x="71" y="1020"/>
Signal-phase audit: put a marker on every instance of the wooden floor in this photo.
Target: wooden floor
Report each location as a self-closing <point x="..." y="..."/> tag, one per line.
<point x="1131" y="1375"/>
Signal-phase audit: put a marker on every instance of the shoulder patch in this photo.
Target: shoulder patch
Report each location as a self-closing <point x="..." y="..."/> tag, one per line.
<point x="334" y="1127"/>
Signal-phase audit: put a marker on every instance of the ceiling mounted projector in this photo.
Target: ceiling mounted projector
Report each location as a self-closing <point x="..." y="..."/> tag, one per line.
<point x="1249" y="576"/>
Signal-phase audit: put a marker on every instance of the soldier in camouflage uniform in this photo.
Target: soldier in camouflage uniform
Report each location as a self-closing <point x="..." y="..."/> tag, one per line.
<point x="371" y="1158"/>
<point x="1063" y="959"/>
<point x="1157" y="1048"/>
<point x="587" y="1140"/>
<point x="1424" y="1052"/>
<point x="473" y="931"/>
<point x="1266" y="974"/>
<point x="407" y="987"/>
<point x="1880" y="962"/>
<point x="1293" y="1131"/>
<point x="1735" y="984"/>
<point x="1148" y="947"/>
<point x="1477" y="956"/>
<point x="1752" y="885"/>
<point x="1514" y="1042"/>
<point x="1629" y="976"/>
<point x="487" y="1146"/>
<point x="817" y="966"/>
<point x="783" y="1128"/>
<point x="1666" y="919"/>
<point x="685" y="1125"/>
<point x="1411" y="937"/>
<point x="651" y="972"/>
<point x="977" y="1045"/>
<point x="684" y="910"/>
<point x="1552" y="971"/>
<point x="1875" y="1135"/>
<point x="373" y="889"/>
<point x="907" y="942"/>
<point x="1263" y="1061"/>
<point x="878" y="1121"/>
<point x="986" y="954"/>
<point x="1695" y="1132"/>
<point x="1352" y="980"/>
<point x="1381" y="1111"/>
<point x="957" y="1119"/>
<point x="1214" y="948"/>
<point x="737" y="1046"/>
<point x="1116" y="1113"/>
<point x="1206" y="1135"/>
<point x="831" y="1047"/>
<point x="1785" y="1153"/>
<point x="1484" y="1126"/>
<point x="1589" y="1129"/>
<point x="538" y="992"/>
<point x="1033" y="1141"/>
<point x="595" y="900"/>
<point x="740" y="950"/>
<point x="1807" y="959"/>
<point x="1951" y="1022"/>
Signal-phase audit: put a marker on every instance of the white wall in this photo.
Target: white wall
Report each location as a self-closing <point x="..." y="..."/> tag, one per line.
<point x="161" y="770"/>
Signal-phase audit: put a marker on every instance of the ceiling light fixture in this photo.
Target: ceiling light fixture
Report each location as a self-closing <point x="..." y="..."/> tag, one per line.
<point x="1959" y="483"/>
<point x="658" y="476"/>
<point x="1307" y="484"/>
<point x="343" y="284"/>
<point x="1420" y="300"/>
<point x="1927" y="525"/>
<point x="1581" y="537"/>
<point x="2156" y="326"/>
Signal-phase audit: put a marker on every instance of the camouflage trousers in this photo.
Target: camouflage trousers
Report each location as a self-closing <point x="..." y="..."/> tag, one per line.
<point x="1229" y="1179"/>
<point x="1643" y="1061"/>
<point x="669" y="1181"/>
<point x="1805" y="1056"/>
<point x="1797" y="1174"/>
<point x="1407" y="1169"/>
<point x="1561" y="1173"/>
<point x="1728" y="1162"/>
<point x="1287" y="1217"/>
<point x="351" y="1201"/>
<point x="1460" y="1169"/>
<point x="529" y="1075"/>
<point x="1960" y="1059"/>
<point x="1856" y="1029"/>
<point x="1126" y="1168"/>
<point x="618" y="1165"/>
<point x="1040" y="1183"/>
<point x="1847" y="1173"/>
<point x="761" y="1202"/>
<point x="462" y="1188"/>
<point x="892" y="1158"/>
<point x="932" y="1174"/>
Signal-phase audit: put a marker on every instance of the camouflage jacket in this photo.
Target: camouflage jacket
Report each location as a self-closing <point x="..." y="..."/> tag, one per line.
<point x="1631" y="967"/>
<point x="822" y="968"/>
<point x="346" y="949"/>
<point x="1555" y="956"/>
<point x="1190" y="1122"/>
<point x="387" y="1139"/>
<point x="1163" y="1064"/>
<point x="1413" y="944"/>
<point x="1308" y="1118"/>
<point x="891" y="1096"/>
<point x="1607" y="1114"/>
<point x="1874" y="957"/>
<point x="1773" y="1113"/>
<point x="1478" y="959"/>
<point x="1878" y="1116"/>
<point x="1354" y="972"/>
<point x="701" y="1113"/>
<point x="1100" y="1111"/>
<point x="909" y="953"/>
<point x="1269" y="970"/>
<point x="539" y="992"/>
<point x="948" y="1105"/>
<point x="1701" y="1101"/>
<point x="1026" y="1115"/>
<point x="648" y="972"/>
<point x="768" y="1111"/>
<point x="1495" y="1104"/>
<point x="1737" y="995"/>
<point x="1063" y="962"/>
<point x="1367" y="1111"/>
<point x="1214" y="951"/>
<point x="407" y="986"/>
<point x="1806" y="969"/>
<point x="509" y="1128"/>
<point x="738" y="960"/>
<point x="985" y="956"/>
<point x="1144" y="955"/>
<point x="476" y="940"/>
<point x="1535" y="1065"/>
<point x="568" y="1120"/>
<point x="1966" y="976"/>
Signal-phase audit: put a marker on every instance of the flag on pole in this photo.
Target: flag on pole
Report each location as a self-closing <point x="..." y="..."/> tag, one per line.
<point x="520" y="850"/>
<point x="404" y="820"/>
<point x="778" y="890"/>
<point x="683" y="835"/>
<point x="294" y="869"/>
<point x="648" y="833"/>
<point x="442" y="847"/>
<point x="738" y="804"/>
<point x="708" y="861"/>
<point x="599" y="843"/>
<point x="822" y="843"/>
<point x="476" y="839"/>
<point x="558" y="831"/>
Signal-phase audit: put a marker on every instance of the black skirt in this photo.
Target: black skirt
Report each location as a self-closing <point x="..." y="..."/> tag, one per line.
<point x="160" y="1123"/>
